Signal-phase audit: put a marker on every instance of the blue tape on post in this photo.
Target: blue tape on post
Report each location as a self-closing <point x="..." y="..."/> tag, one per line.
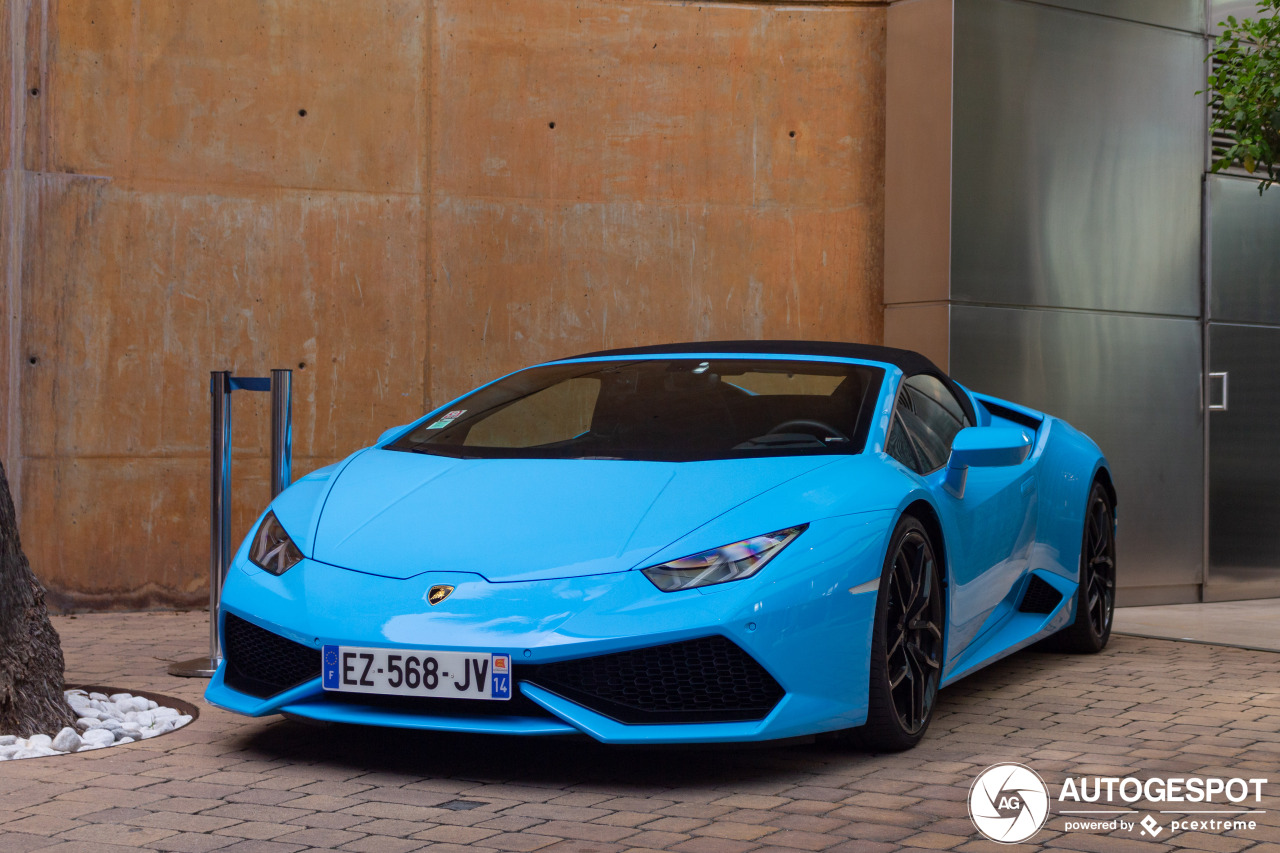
<point x="250" y="383"/>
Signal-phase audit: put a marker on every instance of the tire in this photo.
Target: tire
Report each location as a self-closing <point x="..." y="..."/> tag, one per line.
<point x="906" y="644"/>
<point x="1096" y="593"/>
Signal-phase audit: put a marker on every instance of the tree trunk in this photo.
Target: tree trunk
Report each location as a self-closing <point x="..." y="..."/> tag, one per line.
<point x="31" y="667"/>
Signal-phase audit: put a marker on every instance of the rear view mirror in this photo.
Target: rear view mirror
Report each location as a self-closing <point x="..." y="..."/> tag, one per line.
<point x="984" y="447"/>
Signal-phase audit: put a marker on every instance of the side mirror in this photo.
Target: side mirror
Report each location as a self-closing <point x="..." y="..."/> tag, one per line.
<point x="390" y="433"/>
<point x="983" y="447"/>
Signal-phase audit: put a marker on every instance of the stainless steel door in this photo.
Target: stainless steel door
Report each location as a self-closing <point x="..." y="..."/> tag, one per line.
<point x="1243" y="340"/>
<point x="1132" y="383"/>
<point x="1244" y="464"/>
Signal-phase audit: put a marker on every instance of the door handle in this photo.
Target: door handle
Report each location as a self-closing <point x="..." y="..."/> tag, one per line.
<point x="1218" y="407"/>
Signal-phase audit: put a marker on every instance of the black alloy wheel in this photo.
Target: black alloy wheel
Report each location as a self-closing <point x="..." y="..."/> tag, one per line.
<point x="907" y="643"/>
<point x="1096" y="595"/>
<point x="1098" y="564"/>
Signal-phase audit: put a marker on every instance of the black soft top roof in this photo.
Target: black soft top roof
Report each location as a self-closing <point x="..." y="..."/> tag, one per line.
<point x="908" y="361"/>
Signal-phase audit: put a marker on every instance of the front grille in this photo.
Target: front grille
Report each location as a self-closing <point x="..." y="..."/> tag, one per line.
<point x="1040" y="597"/>
<point x="697" y="681"/>
<point x="262" y="663"/>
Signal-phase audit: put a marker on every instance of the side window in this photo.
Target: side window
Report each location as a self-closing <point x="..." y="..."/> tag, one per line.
<point x="929" y="413"/>
<point x="899" y="444"/>
<point x="937" y="407"/>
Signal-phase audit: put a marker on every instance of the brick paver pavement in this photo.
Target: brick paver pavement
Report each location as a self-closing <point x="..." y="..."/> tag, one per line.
<point x="1144" y="707"/>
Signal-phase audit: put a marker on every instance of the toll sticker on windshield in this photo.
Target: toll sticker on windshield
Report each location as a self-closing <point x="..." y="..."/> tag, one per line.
<point x="448" y="419"/>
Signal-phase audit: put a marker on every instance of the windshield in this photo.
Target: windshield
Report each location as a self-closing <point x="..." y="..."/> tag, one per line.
<point x="671" y="409"/>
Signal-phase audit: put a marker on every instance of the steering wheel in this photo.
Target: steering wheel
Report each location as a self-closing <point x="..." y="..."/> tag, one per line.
<point x="817" y="425"/>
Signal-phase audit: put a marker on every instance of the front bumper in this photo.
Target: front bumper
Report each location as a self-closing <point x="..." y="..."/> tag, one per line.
<point x="797" y="620"/>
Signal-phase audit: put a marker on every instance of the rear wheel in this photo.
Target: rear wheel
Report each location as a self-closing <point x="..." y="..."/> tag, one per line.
<point x="1096" y="595"/>
<point x="906" y="645"/>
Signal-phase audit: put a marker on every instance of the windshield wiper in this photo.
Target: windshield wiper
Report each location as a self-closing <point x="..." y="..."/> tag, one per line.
<point x="781" y="439"/>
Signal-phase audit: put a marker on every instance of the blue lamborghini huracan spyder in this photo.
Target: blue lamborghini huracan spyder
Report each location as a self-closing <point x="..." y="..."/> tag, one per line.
<point x="724" y="541"/>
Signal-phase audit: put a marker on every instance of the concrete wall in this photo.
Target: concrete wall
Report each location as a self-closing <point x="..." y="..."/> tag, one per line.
<point x="397" y="199"/>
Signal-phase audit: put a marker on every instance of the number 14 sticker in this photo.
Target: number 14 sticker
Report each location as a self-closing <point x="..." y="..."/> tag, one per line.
<point x="501" y="683"/>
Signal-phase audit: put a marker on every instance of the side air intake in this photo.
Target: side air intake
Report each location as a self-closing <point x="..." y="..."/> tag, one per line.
<point x="697" y="681"/>
<point x="262" y="663"/>
<point x="1040" y="597"/>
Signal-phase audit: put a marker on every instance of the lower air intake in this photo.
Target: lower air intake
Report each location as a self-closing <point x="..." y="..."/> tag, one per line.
<point x="1040" y="597"/>
<point x="709" y="680"/>
<point x="262" y="663"/>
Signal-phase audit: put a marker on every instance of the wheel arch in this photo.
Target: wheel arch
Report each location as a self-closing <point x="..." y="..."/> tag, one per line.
<point x="928" y="516"/>
<point x="1103" y="476"/>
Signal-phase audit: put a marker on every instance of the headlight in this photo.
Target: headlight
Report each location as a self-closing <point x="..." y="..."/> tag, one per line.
<point x="272" y="549"/>
<point x="721" y="565"/>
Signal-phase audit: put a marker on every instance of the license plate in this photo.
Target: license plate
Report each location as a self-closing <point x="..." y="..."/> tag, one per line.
<point x="417" y="672"/>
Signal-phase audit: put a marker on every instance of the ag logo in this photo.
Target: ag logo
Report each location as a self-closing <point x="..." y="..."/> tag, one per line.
<point x="1008" y="803"/>
<point x="438" y="593"/>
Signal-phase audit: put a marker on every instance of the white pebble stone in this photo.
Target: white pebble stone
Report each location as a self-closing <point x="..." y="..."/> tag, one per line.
<point x="101" y="721"/>
<point x="67" y="740"/>
<point x="99" y="737"/>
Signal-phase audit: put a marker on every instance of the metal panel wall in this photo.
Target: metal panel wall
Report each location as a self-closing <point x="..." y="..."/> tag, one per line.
<point x="1244" y="343"/>
<point x="1133" y="384"/>
<point x="1176" y="14"/>
<point x="1244" y="258"/>
<point x="1077" y="161"/>
<point x="1077" y="155"/>
<point x="1244" y="465"/>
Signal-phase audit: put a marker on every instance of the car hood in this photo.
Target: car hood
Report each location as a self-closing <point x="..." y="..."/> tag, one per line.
<point x="398" y="514"/>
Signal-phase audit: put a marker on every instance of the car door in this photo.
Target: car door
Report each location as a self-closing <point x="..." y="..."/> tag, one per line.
<point x="991" y="529"/>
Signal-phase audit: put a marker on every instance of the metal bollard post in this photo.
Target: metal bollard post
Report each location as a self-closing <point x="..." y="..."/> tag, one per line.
<point x="281" y="430"/>
<point x="221" y="384"/>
